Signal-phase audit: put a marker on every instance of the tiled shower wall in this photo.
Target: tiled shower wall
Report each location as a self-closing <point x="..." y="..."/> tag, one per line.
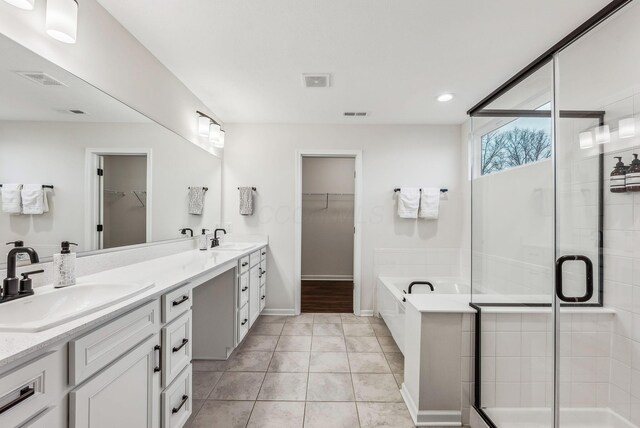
<point x="517" y="359"/>
<point x="622" y="292"/>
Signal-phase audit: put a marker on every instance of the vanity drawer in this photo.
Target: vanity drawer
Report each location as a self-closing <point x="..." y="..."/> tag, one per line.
<point x="176" y="347"/>
<point x="95" y="350"/>
<point x="254" y="258"/>
<point x="29" y="389"/>
<point x="263" y="253"/>
<point x="243" y="289"/>
<point x="243" y="322"/>
<point x="177" y="401"/>
<point x="263" y="297"/>
<point x="243" y="264"/>
<point x="176" y="302"/>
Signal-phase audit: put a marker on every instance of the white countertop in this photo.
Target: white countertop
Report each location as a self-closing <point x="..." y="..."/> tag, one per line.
<point x="166" y="272"/>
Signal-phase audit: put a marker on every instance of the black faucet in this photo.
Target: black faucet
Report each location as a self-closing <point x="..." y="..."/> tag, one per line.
<point x="184" y="231"/>
<point x="419" y="282"/>
<point x="215" y="242"/>
<point x="11" y="284"/>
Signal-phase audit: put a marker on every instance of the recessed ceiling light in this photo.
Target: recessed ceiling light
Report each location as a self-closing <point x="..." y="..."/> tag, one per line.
<point x="443" y="98"/>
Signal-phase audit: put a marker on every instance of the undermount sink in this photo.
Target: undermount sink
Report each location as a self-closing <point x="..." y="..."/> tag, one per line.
<point x="50" y="306"/>
<point x="234" y="246"/>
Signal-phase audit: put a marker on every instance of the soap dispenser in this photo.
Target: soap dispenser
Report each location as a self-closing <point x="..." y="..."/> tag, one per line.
<point x="632" y="179"/>
<point x="617" y="181"/>
<point x="64" y="266"/>
<point x="203" y="240"/>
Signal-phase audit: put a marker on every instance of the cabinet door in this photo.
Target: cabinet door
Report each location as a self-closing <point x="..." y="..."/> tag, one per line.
<point x="126" y="394"/>
<point x="254" y="293"/>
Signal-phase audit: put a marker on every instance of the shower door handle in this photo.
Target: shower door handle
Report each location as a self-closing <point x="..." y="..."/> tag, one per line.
<point x="588" y="283"/>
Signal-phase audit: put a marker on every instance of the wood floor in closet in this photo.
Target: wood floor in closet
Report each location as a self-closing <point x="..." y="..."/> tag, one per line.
<point x="327" y="296"/>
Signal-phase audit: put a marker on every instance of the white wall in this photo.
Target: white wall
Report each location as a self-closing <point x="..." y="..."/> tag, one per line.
<point x="110" y="58"/>
<point x="264" y="156"/>
<point x="327" y="221"/>
<point x="54" y="153"/>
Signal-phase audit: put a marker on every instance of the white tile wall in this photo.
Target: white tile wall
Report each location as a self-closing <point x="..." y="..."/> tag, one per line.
<point x="517" y="360"/>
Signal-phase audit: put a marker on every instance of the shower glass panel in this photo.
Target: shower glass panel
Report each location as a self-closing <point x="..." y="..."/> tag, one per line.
<point x="513" y="252"/>
<point x="599" y="351"/>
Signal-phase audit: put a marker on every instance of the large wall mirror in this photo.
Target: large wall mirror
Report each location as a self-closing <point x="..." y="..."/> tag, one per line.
<point x="111" y="177"/>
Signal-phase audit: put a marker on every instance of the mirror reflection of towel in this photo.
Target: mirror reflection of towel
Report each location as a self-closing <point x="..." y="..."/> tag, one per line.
<point x="11" y="198"/>
<point x="34" y="199"/>
<point x="246" y="200"/>
<point x="196" y="200"/>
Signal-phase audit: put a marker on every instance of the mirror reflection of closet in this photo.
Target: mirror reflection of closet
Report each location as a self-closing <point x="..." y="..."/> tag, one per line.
<point x="123" y="206"/>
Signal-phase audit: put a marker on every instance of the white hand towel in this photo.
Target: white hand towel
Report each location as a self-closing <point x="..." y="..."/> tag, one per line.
<point x="408" y="202"/>
<point x="34" y="199"/>
<point x="246" y="200"/>
<point x="11" y="198"/>
<point x="196" y="200"/>
<point x="430" y="203"/>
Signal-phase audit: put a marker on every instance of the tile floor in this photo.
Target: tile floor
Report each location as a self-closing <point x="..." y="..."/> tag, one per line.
<point x="313" y="370"/>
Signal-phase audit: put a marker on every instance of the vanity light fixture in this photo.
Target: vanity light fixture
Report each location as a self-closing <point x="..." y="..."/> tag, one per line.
<point x="443" y="98"/>
<point x="214" y="132"/>
<point x="220" y="142"/>
<point x="22" y="4"/>
<point x="586" y="139"/>
<point x="204" y="123"/>
<point x="627" y="127"/>
<point x="62" y="20"/>
<point x="603" y="136"/>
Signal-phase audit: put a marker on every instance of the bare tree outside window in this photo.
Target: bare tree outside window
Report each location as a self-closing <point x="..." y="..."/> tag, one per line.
<point x="515" y="146"/>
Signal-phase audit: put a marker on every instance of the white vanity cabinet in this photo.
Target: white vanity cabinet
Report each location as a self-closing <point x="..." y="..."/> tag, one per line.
<point x="125" y="394"/>
<point x="251" y="290"/>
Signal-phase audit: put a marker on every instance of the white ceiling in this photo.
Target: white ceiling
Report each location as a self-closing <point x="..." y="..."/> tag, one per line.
<point x="22" y="99"/>
<point x="390" y="58"/>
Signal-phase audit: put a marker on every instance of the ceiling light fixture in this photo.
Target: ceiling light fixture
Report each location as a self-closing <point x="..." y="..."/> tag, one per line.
<point x="22" y="4"/>
<point x="204" y="123"/>
<point x="627" y="127"/>
<point x="586" y="140"/>
<point x="603" y="136"/>
<point x="214" y="132"/>
<point x="62" y="20"/>
<point x="443" y="98"/>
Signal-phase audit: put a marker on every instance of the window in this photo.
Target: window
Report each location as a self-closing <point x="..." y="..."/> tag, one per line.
<point x="519" y="142"/>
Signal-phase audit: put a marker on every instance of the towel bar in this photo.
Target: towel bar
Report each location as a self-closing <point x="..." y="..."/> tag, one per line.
<point x="205" y="188"/>
<point x="253" y="188"/>
<point x="397" y="189"/>
<point x="44" y="186"/>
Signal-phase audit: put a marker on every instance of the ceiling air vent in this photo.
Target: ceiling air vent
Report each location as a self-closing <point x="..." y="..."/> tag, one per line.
<point x="322" y="80"/>
<point x="355" y="113"/>
<point x="74" y="111"/>
<point x="41" y="78"/>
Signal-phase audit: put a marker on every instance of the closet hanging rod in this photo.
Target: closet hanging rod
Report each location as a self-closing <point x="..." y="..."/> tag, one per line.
<point x="253" y="188"/>
<point x="397" y="189"/>
<point x="205" y="188"/>
<point x="334" y="194"/>
<point x="44" y="186"/>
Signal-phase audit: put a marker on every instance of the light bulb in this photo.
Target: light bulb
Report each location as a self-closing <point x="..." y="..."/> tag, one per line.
<point x="62" y="20"/>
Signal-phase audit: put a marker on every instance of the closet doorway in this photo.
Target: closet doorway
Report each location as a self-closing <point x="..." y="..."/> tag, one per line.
<point x="329" y="254"/>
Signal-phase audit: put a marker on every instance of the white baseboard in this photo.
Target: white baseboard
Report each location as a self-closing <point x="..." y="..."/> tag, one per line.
<point x="430" y="418"/>
<point x="327" y="277"/>
<point x="267" y="311"/>
<point x="366" y="312"/>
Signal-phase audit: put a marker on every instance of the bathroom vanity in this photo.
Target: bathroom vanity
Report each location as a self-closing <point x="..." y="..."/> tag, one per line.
<point x="129" y="364"/>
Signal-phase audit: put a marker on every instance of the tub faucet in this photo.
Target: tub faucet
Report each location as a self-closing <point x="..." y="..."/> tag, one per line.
<point x="11" y="284"/>
<point x="419" y="282"/>
<point x="215" y="242"/>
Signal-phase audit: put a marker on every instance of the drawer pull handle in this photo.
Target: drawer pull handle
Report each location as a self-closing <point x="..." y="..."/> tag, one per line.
<point x="244" y="264"/>
<point x="157" y="368"/>
<point x="264" y="271"/>
<point x="244" y="322"/>
<point x="264" y="253"/>
<point x="263" y="297"/>
<point x="245" y="289"/>
<point x="181" y="301"/>
<point x="182" y="403"/>
<point x="25" y="393"/>
<point x="177" y="348"/>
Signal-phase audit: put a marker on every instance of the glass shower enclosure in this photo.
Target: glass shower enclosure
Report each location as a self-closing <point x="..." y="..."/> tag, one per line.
<point x="555" y="253"/>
